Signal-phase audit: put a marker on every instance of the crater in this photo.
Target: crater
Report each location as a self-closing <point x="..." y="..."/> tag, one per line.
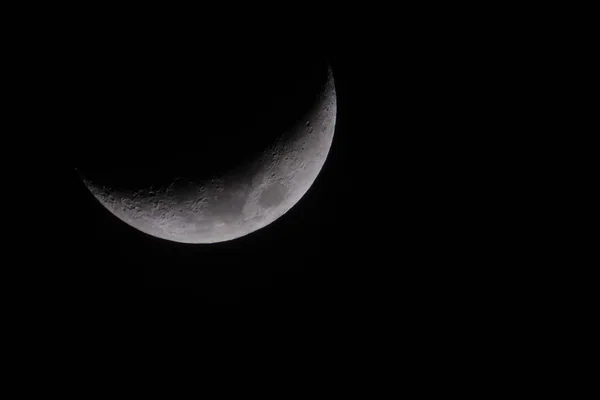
<point x="273" y="195"/>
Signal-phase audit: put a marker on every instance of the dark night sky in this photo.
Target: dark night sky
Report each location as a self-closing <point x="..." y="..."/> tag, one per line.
<point x="395" y="230"/>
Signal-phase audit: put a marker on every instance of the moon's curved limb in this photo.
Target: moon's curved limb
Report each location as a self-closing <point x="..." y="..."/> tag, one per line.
<point x="233" y="205"/>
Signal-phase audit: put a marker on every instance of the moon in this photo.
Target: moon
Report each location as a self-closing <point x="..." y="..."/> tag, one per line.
<point x="239" y="201"/>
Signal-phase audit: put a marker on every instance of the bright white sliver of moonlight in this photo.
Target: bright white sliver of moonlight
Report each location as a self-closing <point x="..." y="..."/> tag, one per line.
<point x="240" y="203"/>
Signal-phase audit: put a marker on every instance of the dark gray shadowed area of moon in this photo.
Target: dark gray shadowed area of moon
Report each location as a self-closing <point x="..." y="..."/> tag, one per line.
<point x="218" y="153"/>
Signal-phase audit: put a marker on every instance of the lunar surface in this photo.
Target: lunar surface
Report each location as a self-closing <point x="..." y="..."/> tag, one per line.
<point x="237" y="202"/>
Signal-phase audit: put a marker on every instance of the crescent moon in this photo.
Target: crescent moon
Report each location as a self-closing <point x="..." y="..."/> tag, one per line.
<point x="237" y="203"/>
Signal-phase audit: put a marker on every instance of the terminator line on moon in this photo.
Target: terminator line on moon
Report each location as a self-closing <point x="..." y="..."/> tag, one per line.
<point x="239" y="202"/>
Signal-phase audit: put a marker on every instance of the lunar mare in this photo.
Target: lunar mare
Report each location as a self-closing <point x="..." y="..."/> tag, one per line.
<point x="239" y="202"/>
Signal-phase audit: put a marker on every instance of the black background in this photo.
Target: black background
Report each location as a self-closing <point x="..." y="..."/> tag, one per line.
<point x="405" y="227"/>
